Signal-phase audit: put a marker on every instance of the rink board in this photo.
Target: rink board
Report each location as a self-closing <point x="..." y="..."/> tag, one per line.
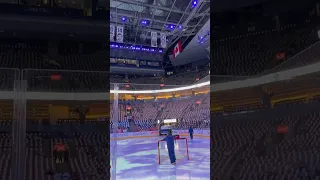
<point x="148" y="134"/>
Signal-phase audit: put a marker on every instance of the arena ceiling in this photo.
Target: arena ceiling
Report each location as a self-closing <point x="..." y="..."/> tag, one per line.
<point x="178" y="19"/>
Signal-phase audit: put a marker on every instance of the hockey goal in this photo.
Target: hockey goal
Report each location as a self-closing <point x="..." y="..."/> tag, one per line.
<point x="180" y="148"/>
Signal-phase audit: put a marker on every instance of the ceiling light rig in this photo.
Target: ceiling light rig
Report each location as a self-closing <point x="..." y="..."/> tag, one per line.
<point x="145" y="22"/>
<point x="124" y="19"/>
<point x="194" y="3"/>
<point x="172" y="27"/>
<point x="203" y="38"/>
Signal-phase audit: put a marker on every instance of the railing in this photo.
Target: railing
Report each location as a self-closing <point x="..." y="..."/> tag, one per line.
<point x="221" y="79"/>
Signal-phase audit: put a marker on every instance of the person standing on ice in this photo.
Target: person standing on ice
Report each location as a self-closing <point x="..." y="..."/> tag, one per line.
<point x="170" y="145"/>
<point x="191" y="133"/>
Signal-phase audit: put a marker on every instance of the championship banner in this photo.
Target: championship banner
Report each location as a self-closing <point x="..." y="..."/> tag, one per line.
<point x="119" y="34"/>
<point x="163" y="40"/>
<point x="154" y="39"/>
<point x="111" y="32"/>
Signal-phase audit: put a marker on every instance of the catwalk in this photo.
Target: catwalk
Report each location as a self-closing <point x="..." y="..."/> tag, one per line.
<point x="138" y="160"/>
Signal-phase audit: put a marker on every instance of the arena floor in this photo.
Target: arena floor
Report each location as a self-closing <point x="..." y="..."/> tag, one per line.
<point x="138" y="160"/>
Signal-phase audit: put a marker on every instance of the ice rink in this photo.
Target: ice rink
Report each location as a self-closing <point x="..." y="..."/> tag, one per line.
<point x="138" y="160"/>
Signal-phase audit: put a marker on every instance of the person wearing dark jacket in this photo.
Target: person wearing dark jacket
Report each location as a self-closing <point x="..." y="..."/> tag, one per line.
<point x="170" y="145"/>
<point x="191" y="133"/>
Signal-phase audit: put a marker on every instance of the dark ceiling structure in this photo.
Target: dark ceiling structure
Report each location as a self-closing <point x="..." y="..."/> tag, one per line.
<point x="178" y="19"/>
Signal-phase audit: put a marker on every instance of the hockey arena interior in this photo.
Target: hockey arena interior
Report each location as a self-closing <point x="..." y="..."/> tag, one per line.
<point x="163" y="87"/>
<point x="57" y="102"/>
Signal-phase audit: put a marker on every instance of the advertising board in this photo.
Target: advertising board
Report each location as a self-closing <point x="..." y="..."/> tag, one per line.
<point x="129" y="135"/>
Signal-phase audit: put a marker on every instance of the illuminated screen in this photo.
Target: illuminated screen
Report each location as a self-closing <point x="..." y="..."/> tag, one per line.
<point x="170" y="121"/>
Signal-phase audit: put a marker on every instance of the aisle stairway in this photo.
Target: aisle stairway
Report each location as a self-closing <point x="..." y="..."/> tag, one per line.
<point x="132" y="127"/>
<point x="72" y="148"/>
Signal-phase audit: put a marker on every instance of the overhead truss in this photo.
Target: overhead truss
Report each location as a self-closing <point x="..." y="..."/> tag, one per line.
<point x="176" y="18"/>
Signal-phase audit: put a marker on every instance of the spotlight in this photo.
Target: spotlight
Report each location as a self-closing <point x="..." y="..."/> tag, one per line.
<point x="194" y="3"/>
<point x="144" y="22"/>
<point x="170" y="26"/>
<point x="123" y="18"/>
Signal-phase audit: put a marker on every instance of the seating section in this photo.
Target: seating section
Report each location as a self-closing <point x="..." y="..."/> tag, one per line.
<point x="42" y="81"/>
<point x="75" y="70"/>
<point x="87" y="146"/>
<point x="5" y="155"/>
<point x="37" y="163"/>
<point x="250" y="147"/>
<point x="192" y="111"/>
<point x="253" y="53"/>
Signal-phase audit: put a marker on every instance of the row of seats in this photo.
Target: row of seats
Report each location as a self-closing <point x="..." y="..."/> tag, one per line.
<point x="250" y="147"/>
<point x="34" y="56"/>
<point x="254" y="53"/>
<point x="192" y="110"/>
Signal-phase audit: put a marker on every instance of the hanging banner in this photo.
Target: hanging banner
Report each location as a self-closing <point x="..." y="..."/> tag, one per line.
<point x="154" y="39"/>
<point x="177" y="49"/>
<point x="111" y="32"/>
<point x="119" y="34"/>
<point x="163" y="40"/>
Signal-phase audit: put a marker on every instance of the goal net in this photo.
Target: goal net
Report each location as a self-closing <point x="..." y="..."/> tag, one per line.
<point x="180" y="148"/>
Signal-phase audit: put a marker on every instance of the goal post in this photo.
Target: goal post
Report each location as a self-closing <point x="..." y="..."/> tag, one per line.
<point x="181" y="150"/>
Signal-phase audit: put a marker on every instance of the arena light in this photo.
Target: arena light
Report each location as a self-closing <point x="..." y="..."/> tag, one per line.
<point x="194" y="3"/>
<point x="170" y="26"/>
<point x="145" y="22"/>
<point x="162" y="90"/>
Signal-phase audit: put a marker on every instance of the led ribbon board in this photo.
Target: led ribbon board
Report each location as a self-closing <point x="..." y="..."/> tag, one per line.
<point x="162" y="90"/>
